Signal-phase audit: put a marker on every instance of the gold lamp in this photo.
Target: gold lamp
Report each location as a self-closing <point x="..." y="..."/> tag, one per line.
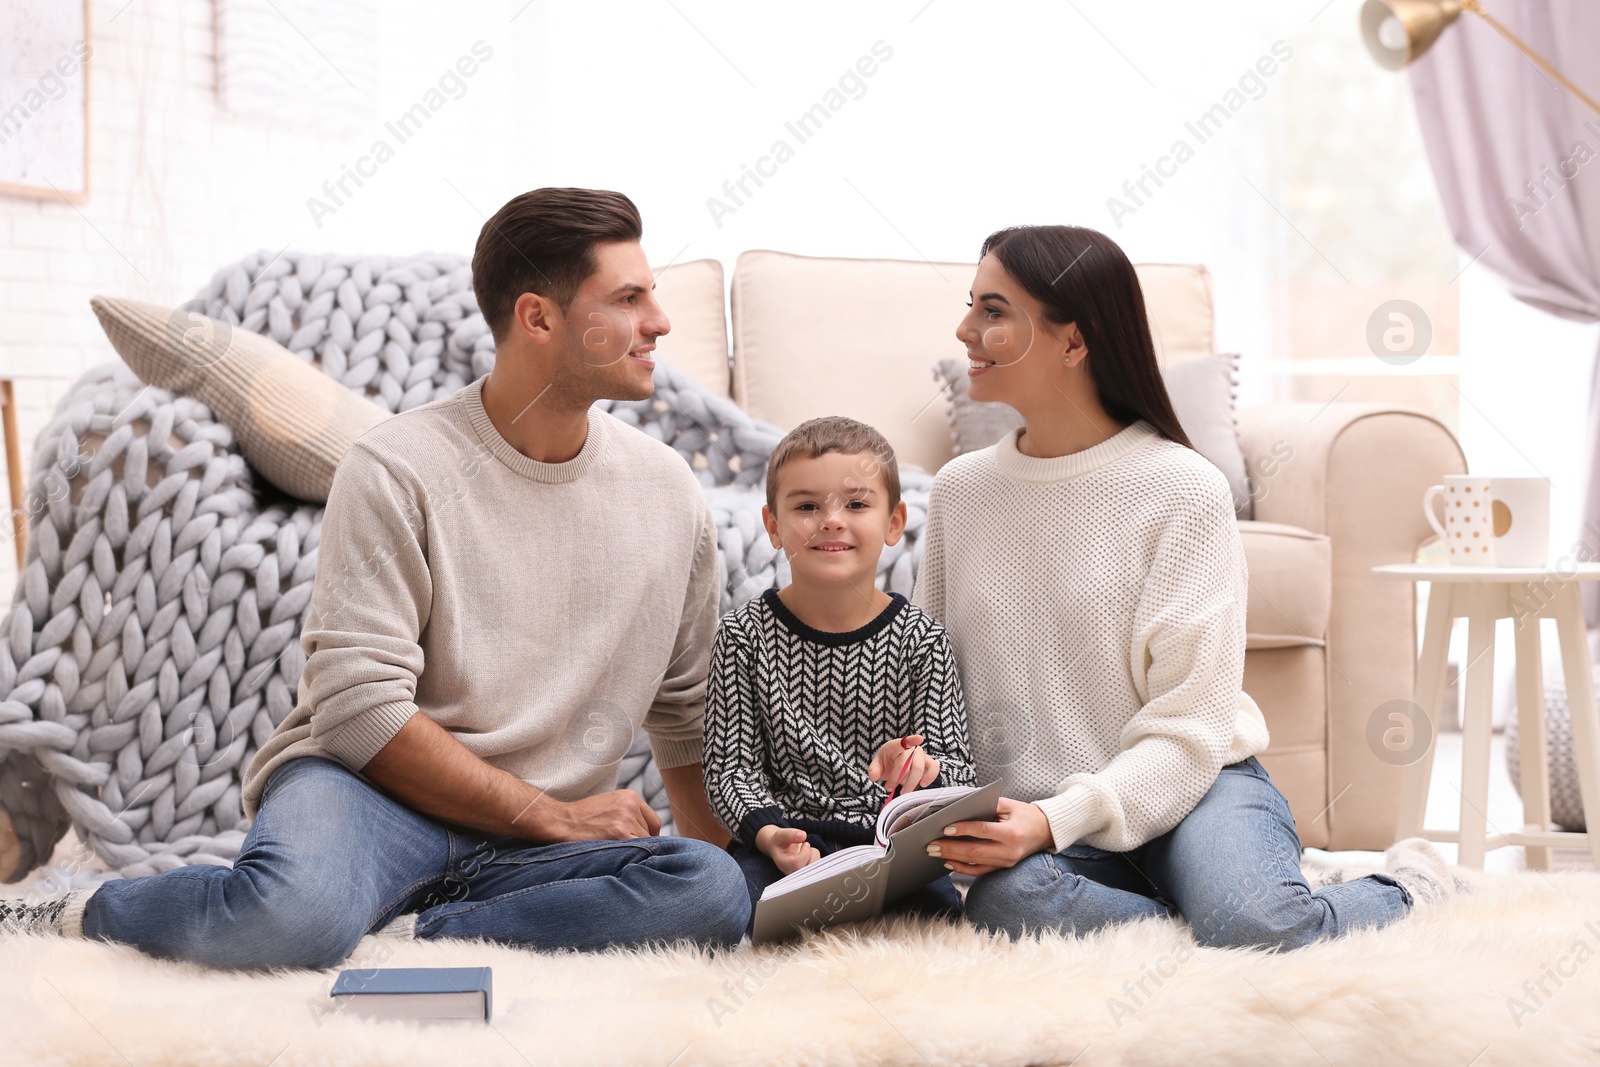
<point x="1396" y="32"/>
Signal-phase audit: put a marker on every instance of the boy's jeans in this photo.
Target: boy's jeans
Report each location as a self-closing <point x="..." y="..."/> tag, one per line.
<point x="329" y="859"/>
<point x="1231" y="868"/>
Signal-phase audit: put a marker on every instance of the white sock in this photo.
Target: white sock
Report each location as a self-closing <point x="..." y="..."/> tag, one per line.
<point x="1420" y="869"/>
<point x="1322" y="877"/>
<point x="400" y="928"/>
<point x="72" y="914"/>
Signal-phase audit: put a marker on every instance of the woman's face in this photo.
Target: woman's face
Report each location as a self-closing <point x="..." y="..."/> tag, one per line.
<point x="1014" y="353"/>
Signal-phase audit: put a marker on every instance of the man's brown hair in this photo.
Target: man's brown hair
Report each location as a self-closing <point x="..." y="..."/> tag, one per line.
<point x="835" y="433"/>
<point x="543" y="242"/>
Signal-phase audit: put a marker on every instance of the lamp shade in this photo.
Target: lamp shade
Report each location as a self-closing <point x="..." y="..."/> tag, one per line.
<point x="1396" y="32"/>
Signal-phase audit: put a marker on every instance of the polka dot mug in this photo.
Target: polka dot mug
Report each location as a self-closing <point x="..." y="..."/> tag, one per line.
<point x="1492" y="522"/>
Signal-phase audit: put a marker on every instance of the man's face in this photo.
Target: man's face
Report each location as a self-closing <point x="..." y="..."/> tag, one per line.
<point x="610" y="330"/>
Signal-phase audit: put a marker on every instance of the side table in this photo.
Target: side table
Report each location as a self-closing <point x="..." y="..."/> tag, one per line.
<point x="1482" y="595"/>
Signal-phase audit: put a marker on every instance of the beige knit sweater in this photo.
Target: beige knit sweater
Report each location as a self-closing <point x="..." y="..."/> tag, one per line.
<point x="540" y="612"/>
<point x="1096" y="602"/>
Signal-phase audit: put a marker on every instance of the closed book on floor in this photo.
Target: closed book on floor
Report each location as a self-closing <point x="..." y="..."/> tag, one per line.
<point x="420" y="993"/>
<point x="855" y="883"/>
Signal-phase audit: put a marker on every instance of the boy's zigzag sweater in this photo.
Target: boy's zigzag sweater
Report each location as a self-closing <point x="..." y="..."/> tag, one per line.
<point x="794" y="716"/>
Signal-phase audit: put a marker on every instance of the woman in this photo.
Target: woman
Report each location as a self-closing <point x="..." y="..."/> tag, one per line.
<point x="1089" y="570"/>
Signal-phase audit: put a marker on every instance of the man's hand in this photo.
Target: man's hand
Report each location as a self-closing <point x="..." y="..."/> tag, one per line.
<point x="615" y="816"/>
<point x="786" y="847"/>
<point x="425" y="768"/>
<point x="887" y="763"/>
<point x="1019" y="830"/>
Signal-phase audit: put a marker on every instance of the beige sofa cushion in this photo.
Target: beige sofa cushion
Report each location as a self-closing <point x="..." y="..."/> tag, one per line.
<point x="691" y="294"/>
<point x="860" y="337"/>
<point x="1291" y="585"/>
<point x="293" y="422"/>
<point x="1177" y="297"/>
<point x="1286" y="663"/>
<point x="1291" y="686"/>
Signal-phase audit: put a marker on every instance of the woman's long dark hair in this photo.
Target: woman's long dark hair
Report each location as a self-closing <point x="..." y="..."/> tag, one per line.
<point x="1081" y="275"/>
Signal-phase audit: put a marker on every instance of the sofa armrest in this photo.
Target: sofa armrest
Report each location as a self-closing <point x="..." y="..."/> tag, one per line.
<point x="1355" y="472"/>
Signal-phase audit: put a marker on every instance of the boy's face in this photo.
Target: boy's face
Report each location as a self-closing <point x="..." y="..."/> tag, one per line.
<point x="833" y="518"/>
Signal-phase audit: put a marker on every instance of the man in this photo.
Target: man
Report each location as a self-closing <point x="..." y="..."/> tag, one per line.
<point x="510" y="583"/>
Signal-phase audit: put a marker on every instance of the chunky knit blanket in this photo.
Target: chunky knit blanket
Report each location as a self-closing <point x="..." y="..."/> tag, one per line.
<point x="153" y="640"/>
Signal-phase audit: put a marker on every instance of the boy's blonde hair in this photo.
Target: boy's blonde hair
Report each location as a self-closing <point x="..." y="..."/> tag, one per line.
<point x="835" y="433"/>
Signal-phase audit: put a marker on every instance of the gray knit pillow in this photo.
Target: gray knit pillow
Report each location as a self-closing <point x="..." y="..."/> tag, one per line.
<point x="1203" y="392"/>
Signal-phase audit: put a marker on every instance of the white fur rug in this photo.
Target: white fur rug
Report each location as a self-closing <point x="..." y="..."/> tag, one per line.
<point x="1458" y="985"/>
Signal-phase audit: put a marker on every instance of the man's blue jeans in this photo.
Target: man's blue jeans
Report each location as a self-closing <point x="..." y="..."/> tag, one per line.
<point x="1231" y="868"/>
<point x="330" y="859"/>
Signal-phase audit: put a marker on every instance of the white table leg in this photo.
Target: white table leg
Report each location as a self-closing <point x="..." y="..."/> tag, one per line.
<point x="1581" y="704"/>
<point x="1479" y="710"/>
<point x="1429" y="683"/>
<point x="1530" y="730"/>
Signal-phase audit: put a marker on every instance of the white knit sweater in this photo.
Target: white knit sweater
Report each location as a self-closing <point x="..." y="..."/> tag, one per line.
<point x="1096" y="602"/>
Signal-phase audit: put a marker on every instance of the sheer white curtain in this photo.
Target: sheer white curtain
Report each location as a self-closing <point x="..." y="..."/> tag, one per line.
<point x="1516" y="159"/>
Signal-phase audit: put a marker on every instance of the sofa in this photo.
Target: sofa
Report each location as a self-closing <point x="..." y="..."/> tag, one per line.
<point x="135" y="729"/>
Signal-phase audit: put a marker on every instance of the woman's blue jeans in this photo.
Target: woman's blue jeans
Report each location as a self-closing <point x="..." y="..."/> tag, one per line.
<point x="1231" y="868"/>
<point x="330" y="859"/>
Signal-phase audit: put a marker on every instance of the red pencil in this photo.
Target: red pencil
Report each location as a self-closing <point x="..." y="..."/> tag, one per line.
<point x="905" y="743"/>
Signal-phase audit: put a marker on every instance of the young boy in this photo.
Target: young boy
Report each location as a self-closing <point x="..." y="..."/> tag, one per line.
<point x="819" y="693"/>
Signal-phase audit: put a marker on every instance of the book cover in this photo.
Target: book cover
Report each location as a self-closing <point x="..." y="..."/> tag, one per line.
<point x="416" y="992"/>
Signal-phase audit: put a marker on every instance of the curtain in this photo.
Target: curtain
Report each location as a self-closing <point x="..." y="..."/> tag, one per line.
<point x="1516" y="159"/>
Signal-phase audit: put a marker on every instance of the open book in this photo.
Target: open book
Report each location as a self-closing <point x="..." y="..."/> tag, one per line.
<point x="855" y="883"/>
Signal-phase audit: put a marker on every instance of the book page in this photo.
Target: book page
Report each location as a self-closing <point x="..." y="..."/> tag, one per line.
<point x="853" y="883"/>
<point x="467" y="1005"/>
<point x="906" y="809"/>
<point x="843" y="860"/>
<point x="848" y="894"/>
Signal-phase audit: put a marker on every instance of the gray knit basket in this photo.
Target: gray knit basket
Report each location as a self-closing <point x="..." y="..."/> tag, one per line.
<point x="1561" y="756"/>
<point x="153" y="640"/>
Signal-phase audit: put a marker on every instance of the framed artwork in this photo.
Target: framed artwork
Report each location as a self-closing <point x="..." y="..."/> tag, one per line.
<point x="44" y="99"/>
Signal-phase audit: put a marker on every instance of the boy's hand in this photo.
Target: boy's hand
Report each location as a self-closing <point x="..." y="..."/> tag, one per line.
<point x="888" y="761"/>
<point x="786" y="847"/>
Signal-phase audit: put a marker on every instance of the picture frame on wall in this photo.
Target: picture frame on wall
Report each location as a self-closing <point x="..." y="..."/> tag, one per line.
<point x="44" y="100"/>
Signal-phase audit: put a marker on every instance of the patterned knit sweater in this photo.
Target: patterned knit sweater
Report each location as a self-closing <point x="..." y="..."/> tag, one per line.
<point x="794" y="716"/>
<point x="1096" y="602"/>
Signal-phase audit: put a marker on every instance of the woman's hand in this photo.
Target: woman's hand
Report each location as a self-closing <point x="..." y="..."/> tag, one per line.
<point x="888" y="760"/>
<point x="1019" y="830"/>
<point x="786" y="847"/>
